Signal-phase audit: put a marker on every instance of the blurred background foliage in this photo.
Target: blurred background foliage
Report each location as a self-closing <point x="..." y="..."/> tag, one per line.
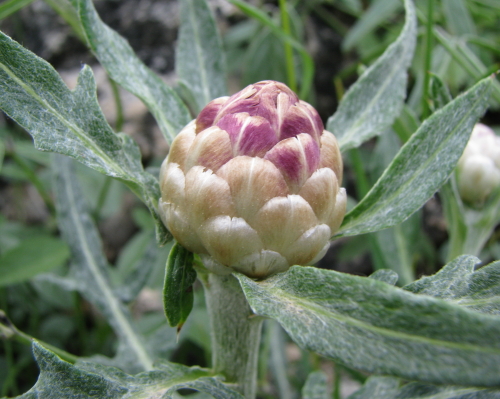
<point x="319" y="48"/>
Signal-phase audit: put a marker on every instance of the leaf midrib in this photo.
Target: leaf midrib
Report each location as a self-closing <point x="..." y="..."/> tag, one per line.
<point x="314" y="307"/>
<point x="360" y="220"/>
<point x="344" y="141"/>
<point x="110" y="299"/>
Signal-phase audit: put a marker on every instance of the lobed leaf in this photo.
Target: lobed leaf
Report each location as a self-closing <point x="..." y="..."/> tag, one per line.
<point x="372" y="326"/>
<point x="200" y="59"/>
<point x="422" y="165"/>
<point x="59" y="379"/>
<point x="123" y="66"/>
<point x="70" y="122"/>
<point x="178" y="287"/>
<point x="89" y="266"/>
<point x="375" y="100"/>
<point x="460" y="283"/>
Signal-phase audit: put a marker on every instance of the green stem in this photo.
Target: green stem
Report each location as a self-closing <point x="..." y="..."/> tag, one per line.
<point x="428" y="58"/>
<point x="10" y="379"/>
<point x="235" y="332"/>
<point x="119" y="106"/>
<point x="9" y="331"/>
<point x="336" y="381"/>
<point x="290" y="67"/>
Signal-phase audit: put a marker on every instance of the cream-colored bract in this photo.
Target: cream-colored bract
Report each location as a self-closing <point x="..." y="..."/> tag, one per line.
<point x="257" y="214"/>
<point x="478" y="170"/>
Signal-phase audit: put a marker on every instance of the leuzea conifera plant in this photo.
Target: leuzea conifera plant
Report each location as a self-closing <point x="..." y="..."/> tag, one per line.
<point x="253" y="184"/>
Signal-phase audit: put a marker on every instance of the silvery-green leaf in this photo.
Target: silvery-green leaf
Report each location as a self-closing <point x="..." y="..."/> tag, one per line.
<point x="375" y="100"/>
<point x="123" y="66"/>
<point x="422" y="391"/>
<point x="370" y="325"/>
<point x="377" y="388"/>
<point x="85" y="380"/>
<point x="422" y="165"/>
<point x="316" y="386"/>
<point x="460" y="283"/>
<point x="89" y="265"/>
<point x="70" y="122"/>
<point x="200" y="59"/>
<point x="178" y="294"/>
<point x="389" y="388"/>
<point x="386" y="275"/>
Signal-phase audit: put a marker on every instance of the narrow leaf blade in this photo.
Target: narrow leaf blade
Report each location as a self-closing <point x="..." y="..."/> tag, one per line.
<point x="121" y="63"/>
<point x="178" y="287"/>
<point x="373" y="102"/>
<point x="89" y="265"/>
<point x="372" y="326"/>
<point x="389" y="388"/>
<point x="200" y="59"/>
<point x="422" y="165"/>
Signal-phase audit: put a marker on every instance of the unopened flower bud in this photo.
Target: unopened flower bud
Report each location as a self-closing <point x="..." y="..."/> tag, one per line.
<point x="253" y="184"/>
<point x="478" y="170"/>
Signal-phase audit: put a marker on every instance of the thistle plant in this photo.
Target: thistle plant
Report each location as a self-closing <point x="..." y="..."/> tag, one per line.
<point x="248" y="199"/>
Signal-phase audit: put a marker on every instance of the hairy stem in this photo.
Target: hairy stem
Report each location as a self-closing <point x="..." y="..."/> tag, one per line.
<point x="235" y="332"/>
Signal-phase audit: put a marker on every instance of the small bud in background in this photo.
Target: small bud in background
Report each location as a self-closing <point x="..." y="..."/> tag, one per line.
<point x="253" y="184"/>
<point x="478" y="170"/>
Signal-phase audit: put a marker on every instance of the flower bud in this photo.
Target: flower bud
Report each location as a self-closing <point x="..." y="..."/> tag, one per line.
<point x="253" y="184"/>
<point x="478" y="170"/>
